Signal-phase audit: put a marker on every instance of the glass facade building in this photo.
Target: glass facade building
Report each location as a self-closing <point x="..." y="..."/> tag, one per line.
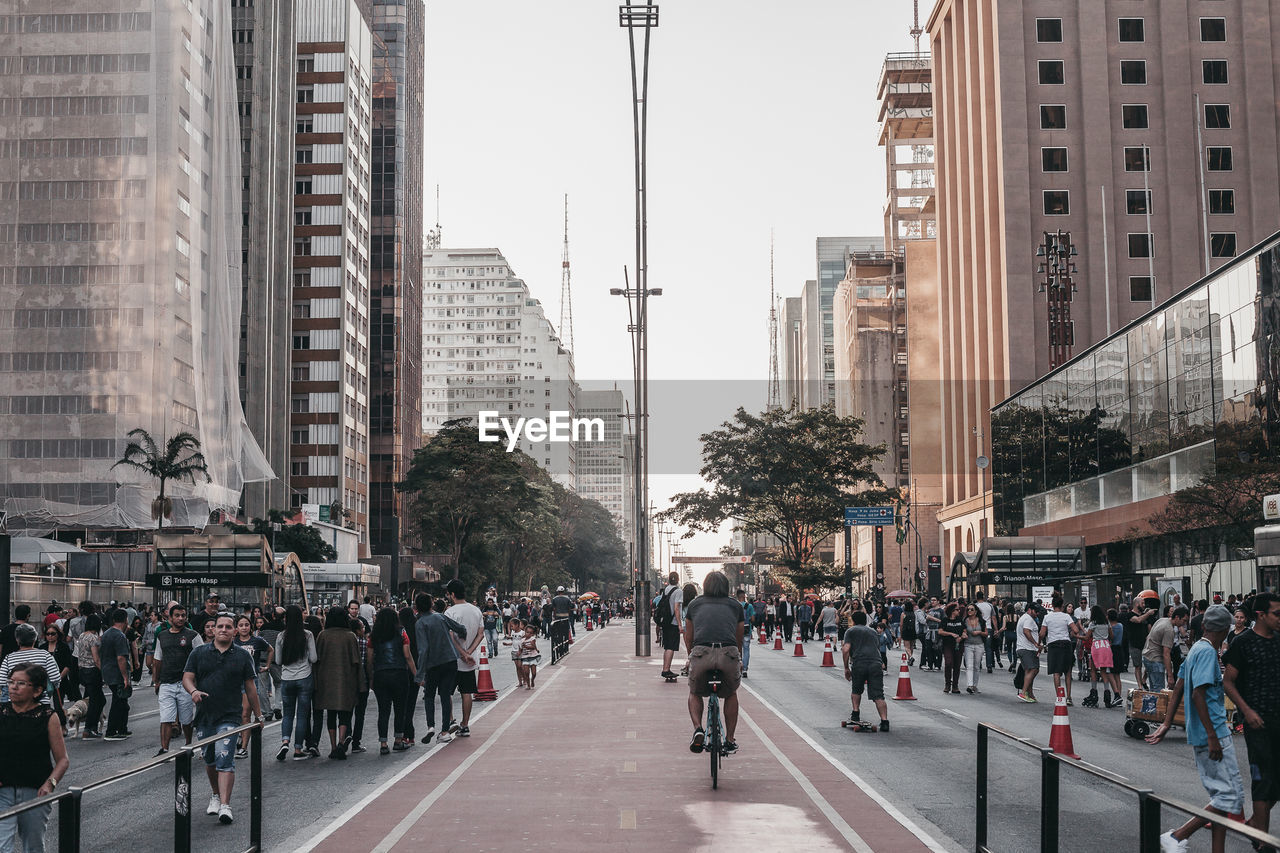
<point x="1152" y="408"/>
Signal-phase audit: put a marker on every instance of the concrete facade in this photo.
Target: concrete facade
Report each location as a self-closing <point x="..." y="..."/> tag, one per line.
<point x="602" y="475"/>
<point x="1126" y="127"/>
<point x="329" y="401"/>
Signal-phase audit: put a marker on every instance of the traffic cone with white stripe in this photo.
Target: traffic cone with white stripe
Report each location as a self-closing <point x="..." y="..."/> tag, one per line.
<point x="484" y="680"/>
<point x="904" y="681"/>
<point x="763" y="638"/>
<point x="799" y="652"/>
<point x="1060" y="731"/>
<point x="777" y="642"/>
<point x="828" y="659"/>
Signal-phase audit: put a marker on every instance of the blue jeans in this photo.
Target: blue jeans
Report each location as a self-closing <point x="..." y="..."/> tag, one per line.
<point x="295" y="699"/>
<point x="746" y="650"/>
<point x="491" y="641"/>
<point x="30" y="825"/>
<point x="1155" y="674"/>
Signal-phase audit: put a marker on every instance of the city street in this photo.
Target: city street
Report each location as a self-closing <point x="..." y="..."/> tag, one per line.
<point x="921" y="774"/>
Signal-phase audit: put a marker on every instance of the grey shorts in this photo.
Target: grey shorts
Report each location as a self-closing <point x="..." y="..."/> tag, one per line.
<point x="1030" y="660"/>
<point x="703" y="659"/>
<point x="1221" y="779"/>
<point x="1135" y="657"/>
<point x="868" y="675"/>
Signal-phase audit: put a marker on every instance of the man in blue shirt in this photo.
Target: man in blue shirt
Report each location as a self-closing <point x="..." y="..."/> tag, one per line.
<point x="748" y="613"/>
<point x="1200" y="686"/>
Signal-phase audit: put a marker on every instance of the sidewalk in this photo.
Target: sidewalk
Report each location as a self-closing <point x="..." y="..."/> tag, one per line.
<point x="598" y="756"/>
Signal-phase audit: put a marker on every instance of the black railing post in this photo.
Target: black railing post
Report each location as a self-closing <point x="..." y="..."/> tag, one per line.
<point x="1148" y="823"/>
<point x="182" y="802"/>
<point x="69" y="822"/>
<point x="980" y="822"/>
<point x="1048" y="801"/>
<point x="255" y="787"/>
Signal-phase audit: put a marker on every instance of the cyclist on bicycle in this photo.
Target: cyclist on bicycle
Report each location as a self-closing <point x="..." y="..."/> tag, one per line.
<point x="713" y="636"/>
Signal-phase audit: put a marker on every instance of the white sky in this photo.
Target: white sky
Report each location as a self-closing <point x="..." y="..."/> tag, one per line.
<point x="762" y="115"/>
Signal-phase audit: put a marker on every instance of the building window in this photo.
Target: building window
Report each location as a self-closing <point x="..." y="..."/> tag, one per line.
<point x="1140" y="245"/>
<point x="1133" y="72"/>
<point x="1213" y="29"/>
<point x="1222" y="201"/>
<point x="1053" y="159"/>
<point x="1056" y="203"/>
<point x="1137" y="159"/>
<point x="302" y="341"/>
<point x="302" y="310"/>
<point x="1222" y="245"/>
<point x="302" y="186"/>
<point x="300" y="403"/>
<point x="1134" y="116"/>
<point x="1131" y="29"/>
<point x="1053" y="117"/>
<point x="1215" y="71"/>
<point x="302" y="155"/>
<point x="1138" y="202"/>
<point x="299" y="467"/>
<point x="1048" y="29"/>
<point x="299" y="436"/>
<point x="302" y="216"/>
<point x="1217" y="116"/>
<point x="304" y="125"/>
<point x="1220" y="158"/>
<point x="1051" y="73"/>
<point x="306" y="95"/>
<point x="306" y="66"/>
<point x="1139" y="288"/>
<point x="302" y="245"/>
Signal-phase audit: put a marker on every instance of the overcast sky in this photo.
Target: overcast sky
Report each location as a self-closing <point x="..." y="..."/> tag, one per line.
<point x="761" y="116"/>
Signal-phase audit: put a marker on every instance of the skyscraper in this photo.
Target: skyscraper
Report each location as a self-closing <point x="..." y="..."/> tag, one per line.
<point x="262" y="40"/>
<point x="329" y="400"/>
<point x="396" y="243"/>
<point x="119" y="261"/>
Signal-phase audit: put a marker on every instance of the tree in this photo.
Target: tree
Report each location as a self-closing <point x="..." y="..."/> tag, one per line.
<point x="1220" y="512"/>
<point x="301" y="539"/>
<point x="591" y="551"/>
<point x="180" y="460"/>
<point x="461" y="486"/>
<point x="788" y="473"/>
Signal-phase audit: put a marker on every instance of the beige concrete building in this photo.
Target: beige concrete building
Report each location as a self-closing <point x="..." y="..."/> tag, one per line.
<point x="1146" y="132"/>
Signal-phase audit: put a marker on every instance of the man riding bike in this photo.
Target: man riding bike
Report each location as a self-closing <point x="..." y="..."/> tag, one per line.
<point x="712" y="637"/>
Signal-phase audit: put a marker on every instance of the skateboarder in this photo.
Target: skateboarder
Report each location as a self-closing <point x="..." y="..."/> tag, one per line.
<point x="863" y="670"/>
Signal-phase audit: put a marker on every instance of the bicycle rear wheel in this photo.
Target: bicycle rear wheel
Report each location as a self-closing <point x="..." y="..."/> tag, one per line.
<point x="713" y="727"/>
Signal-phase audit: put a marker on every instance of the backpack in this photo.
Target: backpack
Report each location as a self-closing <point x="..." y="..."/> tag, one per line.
<point x="663" y="615"/>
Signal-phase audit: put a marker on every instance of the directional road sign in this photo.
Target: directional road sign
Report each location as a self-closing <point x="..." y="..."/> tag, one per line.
<point x="857" y="516"/>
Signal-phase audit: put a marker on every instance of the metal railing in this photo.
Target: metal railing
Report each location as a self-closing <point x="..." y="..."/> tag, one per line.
<point x="70" y="801"/>
<point x="1149" y="802"/>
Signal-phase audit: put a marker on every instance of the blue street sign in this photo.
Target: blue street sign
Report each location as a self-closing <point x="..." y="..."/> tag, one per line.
<point x="856" y="516"/>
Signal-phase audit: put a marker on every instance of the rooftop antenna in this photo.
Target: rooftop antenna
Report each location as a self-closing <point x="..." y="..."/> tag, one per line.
<point x="433" y="236"/>
<point x="775" y="386"/>
<point x="566" y="295"/>
<point x="915" y="24"/>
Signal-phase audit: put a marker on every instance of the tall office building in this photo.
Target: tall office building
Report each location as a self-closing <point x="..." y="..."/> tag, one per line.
<point x="1145" y="132"/>
<point x="395" y="339"/>
<point x="119" y="262"/>
<point x="790" y="351"/>
<point x="329" y="400"/>
<point x="489" y="347"/>
<point x="905" y="93"/>
<point x="602" y="475"/>
<point x="262" y="40"/>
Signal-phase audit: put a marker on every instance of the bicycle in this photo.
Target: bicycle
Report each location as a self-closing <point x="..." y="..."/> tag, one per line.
<point x="715" y="737"/>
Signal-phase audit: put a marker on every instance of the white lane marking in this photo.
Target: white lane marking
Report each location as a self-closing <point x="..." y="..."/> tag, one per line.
<point x="394" y="836"/>
<point x="925" y="838"/>
<point x="855" y="841"/>
<point x="953" y="714"/>
<point x="1106" y="770"/>
<point x="385" y="786"/>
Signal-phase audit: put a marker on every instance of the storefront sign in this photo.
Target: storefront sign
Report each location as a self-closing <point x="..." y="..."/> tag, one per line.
<point x="1042" y="594"/>
<point x="1271" y="507"/>
<point x="174" y="580"/>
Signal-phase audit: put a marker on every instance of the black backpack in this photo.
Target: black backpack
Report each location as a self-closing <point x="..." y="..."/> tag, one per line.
<point x="663" y="614"/>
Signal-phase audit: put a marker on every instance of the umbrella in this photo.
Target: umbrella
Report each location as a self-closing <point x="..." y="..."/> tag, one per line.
<point x="587" y="595"/>
<point x="900" y="593"/>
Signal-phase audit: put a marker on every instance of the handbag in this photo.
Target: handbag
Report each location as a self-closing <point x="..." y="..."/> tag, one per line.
<point x="1019" y="676"/>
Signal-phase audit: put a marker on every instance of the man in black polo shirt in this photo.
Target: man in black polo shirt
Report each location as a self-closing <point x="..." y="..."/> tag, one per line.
<point x="210" y="612"/>
<point x="215" y="674"/>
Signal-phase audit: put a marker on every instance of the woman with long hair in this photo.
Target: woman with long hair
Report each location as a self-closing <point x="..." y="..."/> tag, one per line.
<point x="950" y="632"/>
<point x="55" y="643"/>
<point x="907" y="630"/>
<point x="35" y="756"/>
<point x="336" y="671"/>
<point x="390" y="659"/>
<point x="1009" y="634"/>
<point x="296" y="650"/>
<point x="975" y="638"/>
<point x="1098" y="640"/>
<point x="89" y="665"/>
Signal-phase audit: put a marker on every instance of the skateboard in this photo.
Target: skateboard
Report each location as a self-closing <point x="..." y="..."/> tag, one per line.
<point x="860" y="725"/>
<point x="671" y="679"/>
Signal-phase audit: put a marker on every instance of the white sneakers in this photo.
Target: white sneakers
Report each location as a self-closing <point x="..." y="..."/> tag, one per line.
<point x="1169" y="844"/>
<point x="214" y="805"/>
<point x="224" y="815"/>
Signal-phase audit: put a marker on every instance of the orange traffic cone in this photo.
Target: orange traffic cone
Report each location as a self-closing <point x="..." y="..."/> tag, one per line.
<point x="827" y="658"/>
<point x="904" y="681"/>
<point x="484" y="680"/>
<point x="777" y="642"/>
<point x="589" y="628"/>
<point x="799" y="652"/>
<point x="1060" y="731"/>
<point x="763" y="638"/>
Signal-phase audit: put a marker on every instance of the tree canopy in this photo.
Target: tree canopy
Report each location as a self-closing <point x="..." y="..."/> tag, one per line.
<point x="301" y="539"/>
<point x="788" y="473"/>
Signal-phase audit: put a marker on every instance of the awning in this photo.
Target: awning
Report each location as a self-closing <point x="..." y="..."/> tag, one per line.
<point x="1020" y="559"/>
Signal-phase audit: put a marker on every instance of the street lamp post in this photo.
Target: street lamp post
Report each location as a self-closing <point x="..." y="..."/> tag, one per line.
<point x="632" y="17"/>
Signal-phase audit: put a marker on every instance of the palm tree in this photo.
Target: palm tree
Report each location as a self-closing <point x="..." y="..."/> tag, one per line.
<point x="181" y="459"/>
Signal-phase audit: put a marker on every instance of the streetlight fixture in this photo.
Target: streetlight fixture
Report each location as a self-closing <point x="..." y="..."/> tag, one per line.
<point x="632" y="17"/>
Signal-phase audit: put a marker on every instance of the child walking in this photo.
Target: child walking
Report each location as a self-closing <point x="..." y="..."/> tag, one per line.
<point x="529" y="656"/>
